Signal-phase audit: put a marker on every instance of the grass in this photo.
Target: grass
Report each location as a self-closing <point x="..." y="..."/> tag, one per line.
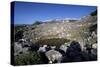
<point x="53" y="42"/>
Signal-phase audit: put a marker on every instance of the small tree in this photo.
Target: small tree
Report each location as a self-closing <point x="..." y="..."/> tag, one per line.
<point x="94" y="13"/>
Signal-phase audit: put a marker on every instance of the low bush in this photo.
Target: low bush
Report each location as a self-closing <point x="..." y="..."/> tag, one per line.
<point x="28" y="59"/>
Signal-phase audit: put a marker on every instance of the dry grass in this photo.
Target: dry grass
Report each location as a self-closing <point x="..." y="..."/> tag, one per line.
<point x="54" y="41"/>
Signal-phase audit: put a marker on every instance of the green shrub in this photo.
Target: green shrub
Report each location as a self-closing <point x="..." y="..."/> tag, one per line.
<point x="28" y="59"/>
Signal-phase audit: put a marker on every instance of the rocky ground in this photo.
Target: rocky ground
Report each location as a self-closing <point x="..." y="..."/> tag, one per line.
<point x="29" y="38"/>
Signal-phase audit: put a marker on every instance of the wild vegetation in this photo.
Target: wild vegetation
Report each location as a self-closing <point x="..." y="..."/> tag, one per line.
<point x="72" y="41"/>
<point x="52" y="42"/>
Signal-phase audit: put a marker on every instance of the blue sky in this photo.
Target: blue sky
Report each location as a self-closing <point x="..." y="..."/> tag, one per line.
<point x="28" y="13"/>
